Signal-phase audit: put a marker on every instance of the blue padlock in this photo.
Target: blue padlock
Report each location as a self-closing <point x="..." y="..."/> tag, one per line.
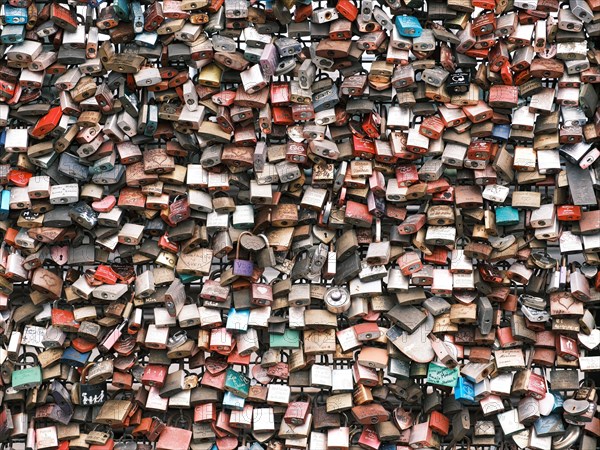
<point x="137" y="17"/>
<point x="506" y="215"/>
<point x="103" y="166"/>
<point x="408" y="26"/>
<point x="254" y="58"/>
<point x="74" y="358"/>
<point x="388" y="446"/>
<point x="15" y="16"/>
<point x="4" y="204"/>
<point x="232" y="401"/>
<point x="121" y="9"/>
<point x="3" y="138"/>
<point x="464" y="391"/>
<point x="558" y="401"/>
<point x="501" y="132"/>
<point x="13" y="34"/>
<point x="326" y="99"/>
<point x="237" y="320"/>
<point x="551" y="425"/>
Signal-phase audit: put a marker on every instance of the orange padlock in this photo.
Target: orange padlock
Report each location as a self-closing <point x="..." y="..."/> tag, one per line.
<point x="105" y="274"/>
<point x="62" y="318"/>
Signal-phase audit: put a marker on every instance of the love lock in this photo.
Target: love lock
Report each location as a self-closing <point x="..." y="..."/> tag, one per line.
<point x="176" y="340"/>
<point x="230" y="188"/>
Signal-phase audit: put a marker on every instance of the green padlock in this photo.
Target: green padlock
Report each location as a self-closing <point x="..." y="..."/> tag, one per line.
<point x="237" y="383"/>
<point x="29" y="377"/>
<point x="187" y="279"/>
<point x="289" y="339"/>
<point x="440" y="375"/>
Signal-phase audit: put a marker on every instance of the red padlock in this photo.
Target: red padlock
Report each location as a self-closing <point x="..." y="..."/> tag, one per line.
<point x="437" y="186"/>
<point x="280" y="94"/>
<point x="166" y="244"/>
<point x="407" y="175"/>
<point x="537" y="386"/>
<point x="369" y="439"/>
<point x="261" y="294"/>
<point x="566" y="347"/>
<point x="505" y="337"/>
<point x="358" y="214"/>
<point x="484" y="4"/>
<point x="371" y="125"/>
<point x="302" y="113"/>
<point x="215" y="381"/>
<point x="206" y="412"/>
<point x="297" y="410"/>
<point x="296" y="153"/>
<point x="366" y="331"/>
<point x="363" y="147"/>
<point x="439" y="256"/>
<point x="154" y="375"/>
<point x="439" y="423"/>
<point x="568" y="213"/>
<point x="303" y="12"/>
<point x="105" y="274"/>
<point x="506" y="74"/>
<point x="282" y="115"/>
<point x="347" y="9"/>
<point x="234" y="358"/>
<point x="224" y="98"/>
<point x="180" y="209"/>
<point x="105" y="205"/>
<point x="7" y="89"/>
<point x="479" y="150"/>
<point x="19" y="177"/>
<point x="412" y="224"/>
<point x="409" y="263"/>
<point x="432" y="127"/>
<point x="64" y="319"/>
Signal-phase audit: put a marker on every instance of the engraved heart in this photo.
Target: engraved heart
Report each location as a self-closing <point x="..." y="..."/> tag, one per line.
<point x="262" y="289"/>
<point x="566" y="301"/>
<point x="60" y="254"/>
<point x="590" y="341"/>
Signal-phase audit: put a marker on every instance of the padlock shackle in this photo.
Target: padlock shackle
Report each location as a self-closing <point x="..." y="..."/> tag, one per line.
<point x="23" y="356"/>
<point x="84" y="372"/>
<point x="239" y="243"/>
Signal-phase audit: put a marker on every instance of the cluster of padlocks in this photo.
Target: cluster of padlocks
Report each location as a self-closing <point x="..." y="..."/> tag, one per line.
<point x="296" y="224"/>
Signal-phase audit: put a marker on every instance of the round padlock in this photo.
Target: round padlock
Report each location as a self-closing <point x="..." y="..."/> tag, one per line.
<point x="337" y="300"/>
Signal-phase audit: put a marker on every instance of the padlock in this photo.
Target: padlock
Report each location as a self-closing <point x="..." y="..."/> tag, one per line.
<point x="27" y="378"/>
<point x="327" y="186"/>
